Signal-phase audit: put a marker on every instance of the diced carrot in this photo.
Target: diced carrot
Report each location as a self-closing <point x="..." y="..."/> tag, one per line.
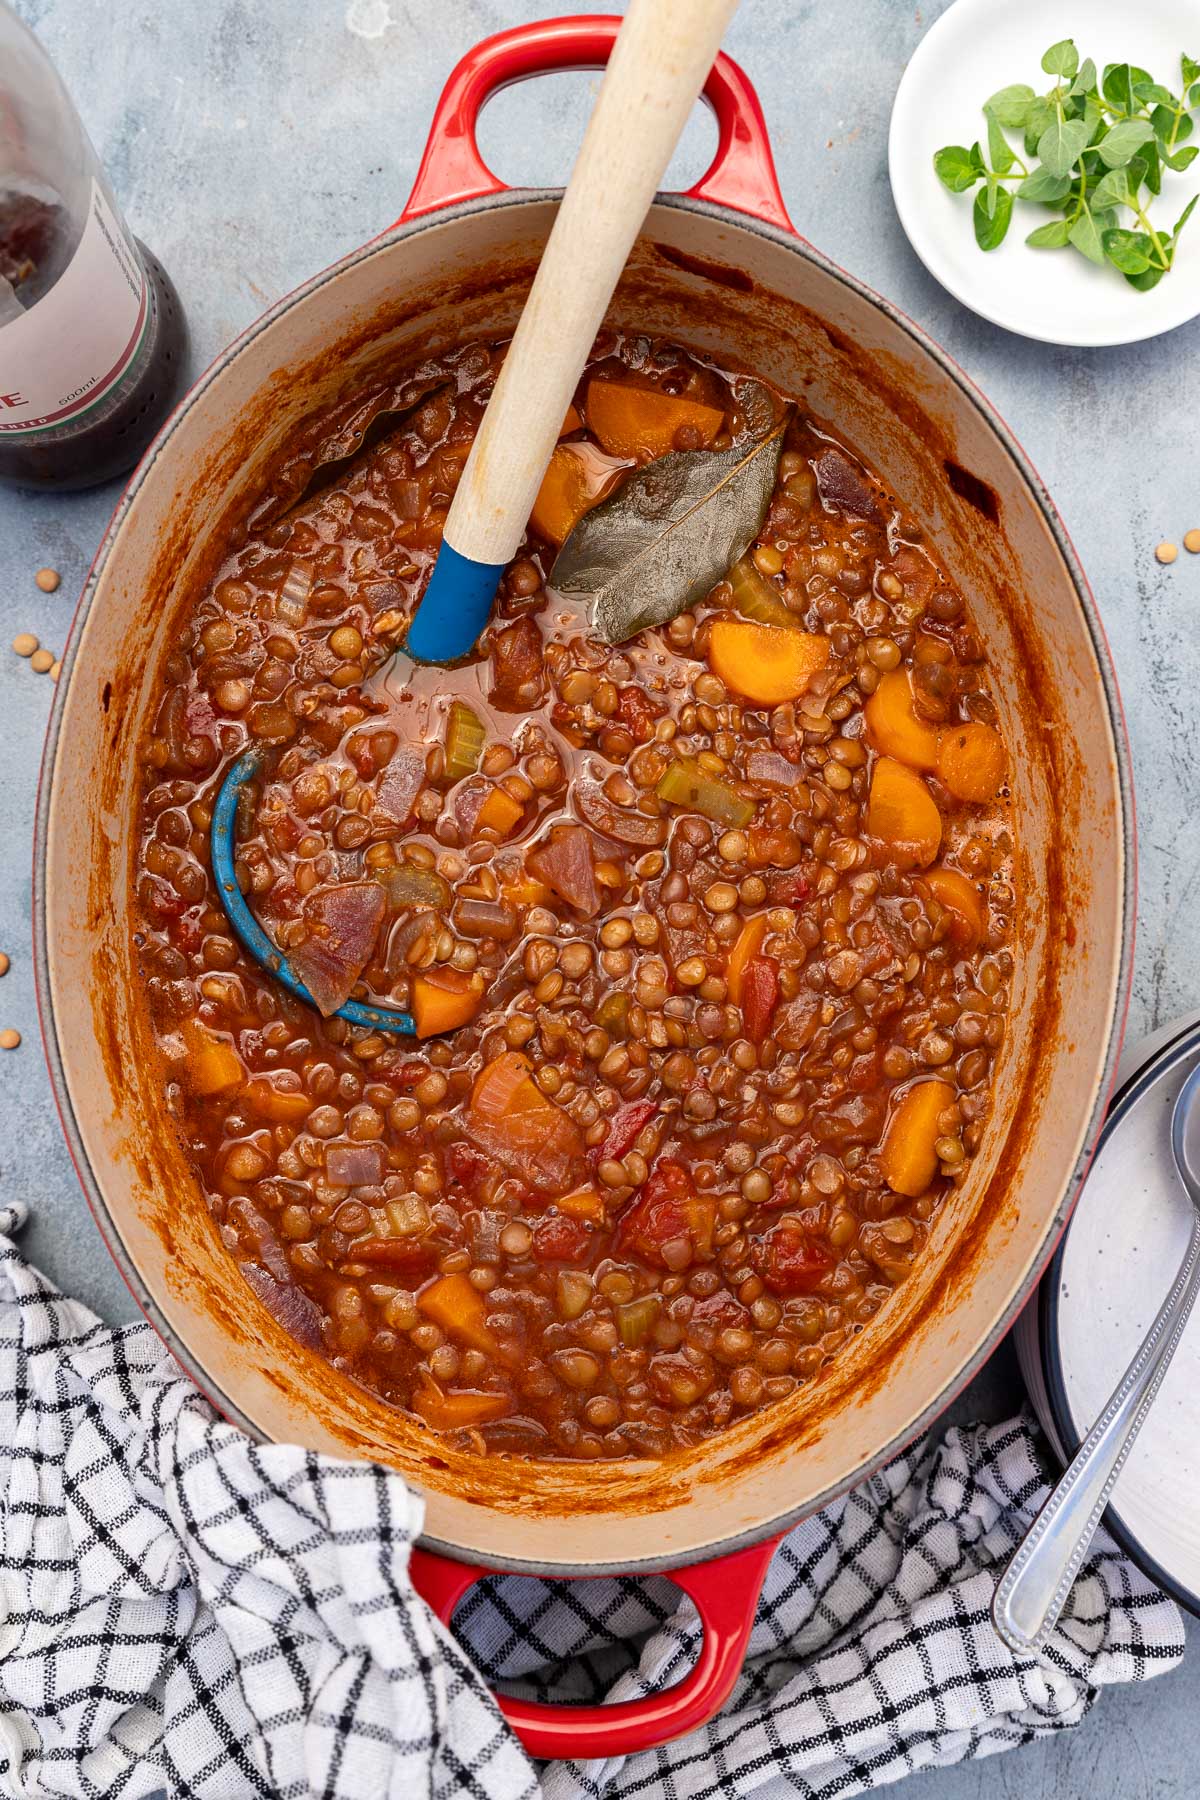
<point x="907" y="1155"/>
<point x="212" y="1064"/>
<point x="499" y="812"/>
<point x="563" y="497"/>
<point x="443" y="1000"/>
<point x="585" y="1203"/>
<point x="643" y="421"/>
<point x="459" y="1309"/>
<point x="763" y="663"/>
<point x="748" y="943"/>
<point x="526" y="890"/>
<point x="962" y="901"/>
<point x="571" y="421"/>
<point x="972" y="761"/>
<point x="277" y="1104"/>
<point x="459" y="1410"/>
<point x="902" y="812"/>
<point x="893" y="726"/>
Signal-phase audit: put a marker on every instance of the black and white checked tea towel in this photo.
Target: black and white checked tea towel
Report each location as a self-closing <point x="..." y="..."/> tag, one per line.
<point x="181" y="1608"/>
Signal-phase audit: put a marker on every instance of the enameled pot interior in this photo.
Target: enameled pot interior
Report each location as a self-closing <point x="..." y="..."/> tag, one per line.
<point x="753" y="297"/>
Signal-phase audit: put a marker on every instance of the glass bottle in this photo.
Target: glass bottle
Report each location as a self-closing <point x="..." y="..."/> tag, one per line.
<point x="92" y="336"/>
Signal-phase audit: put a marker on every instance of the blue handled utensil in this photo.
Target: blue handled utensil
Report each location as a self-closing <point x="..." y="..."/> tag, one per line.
<point x="659" y="62"/>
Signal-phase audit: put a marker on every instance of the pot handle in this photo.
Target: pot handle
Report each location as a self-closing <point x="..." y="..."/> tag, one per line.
<point x="741" y="174"/>
<point x="725" y="1594"/>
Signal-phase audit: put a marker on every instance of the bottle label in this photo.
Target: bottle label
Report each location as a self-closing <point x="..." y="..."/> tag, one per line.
<point x="60" y="358"/>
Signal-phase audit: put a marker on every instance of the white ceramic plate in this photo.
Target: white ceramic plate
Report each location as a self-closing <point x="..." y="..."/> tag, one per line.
<point x="976" y="47"/>
<point x="1107" y="1280"/>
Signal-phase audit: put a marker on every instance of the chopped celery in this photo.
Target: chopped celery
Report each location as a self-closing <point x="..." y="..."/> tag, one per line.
<point x="613" y="1013"/>
<point x="464" y="742"/>
<point x="757" y="598"/>
<point x="685" y="783"/>
<point x="637" y="1319"/>
<point x="410" y="886"/>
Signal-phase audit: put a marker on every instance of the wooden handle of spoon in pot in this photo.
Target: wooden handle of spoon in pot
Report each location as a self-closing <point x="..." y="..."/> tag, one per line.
<point x="658" y="66"/>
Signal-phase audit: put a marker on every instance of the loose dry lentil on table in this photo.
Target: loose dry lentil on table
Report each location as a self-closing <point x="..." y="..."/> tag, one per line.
<point x="746" y="1036"/>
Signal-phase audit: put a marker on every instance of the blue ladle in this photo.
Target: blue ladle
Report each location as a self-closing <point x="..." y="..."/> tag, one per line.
<point x="661" y="57"/>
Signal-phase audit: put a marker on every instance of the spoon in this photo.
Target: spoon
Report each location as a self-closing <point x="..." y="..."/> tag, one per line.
<point x="1034" y="1588"/>
<point x="659" y="62"/>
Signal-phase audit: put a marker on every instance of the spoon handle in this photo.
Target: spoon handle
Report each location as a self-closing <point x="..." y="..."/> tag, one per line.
<point x="1034" y="1587"/>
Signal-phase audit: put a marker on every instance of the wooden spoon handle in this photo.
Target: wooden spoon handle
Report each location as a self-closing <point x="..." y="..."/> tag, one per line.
<point x="662" y="55"/>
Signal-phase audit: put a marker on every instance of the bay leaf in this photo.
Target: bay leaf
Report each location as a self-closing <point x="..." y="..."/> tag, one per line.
<point x="669" y="534"/>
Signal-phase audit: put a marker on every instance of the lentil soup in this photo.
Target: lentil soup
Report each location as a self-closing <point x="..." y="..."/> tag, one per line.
<point x="706" y="933"/>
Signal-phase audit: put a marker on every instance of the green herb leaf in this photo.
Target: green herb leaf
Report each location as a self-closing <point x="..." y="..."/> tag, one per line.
<point x="957" y="168"/>
<point x="1129" y="251"/>
<point x="1061" y="58"/>
<point x="1146" y="279"/>
<point x="1047" y="189"/>
<point x="1060" y="144"/>
<point x="999" y="149"/>
<point x="990" y="227"/>
<point x="1010" y="105"/>
<point x="1184" y="216"/>
<point x="1113" y="189"/>
<point x="1123" y="141"/>
<point x="1085" y="81"/>
<point x="669" y="535"/>
<point x="1119" y="85"/>
<point x="1084" y="234"/>
<point x="1153" y="93"/>
<point x="1053" y="236"/>
<point x="1171" y="128"/>
<point x="1182" y="159"/>
<point x="1190" y="69"/>
<point x="1040" y="115"/>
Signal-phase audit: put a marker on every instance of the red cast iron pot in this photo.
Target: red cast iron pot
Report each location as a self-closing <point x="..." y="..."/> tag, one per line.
<point x="721" y="269"/>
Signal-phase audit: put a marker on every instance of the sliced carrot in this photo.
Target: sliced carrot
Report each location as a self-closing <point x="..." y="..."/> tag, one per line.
<point x="459" y="1410"/>
<point x="562" y="498"/>
<point x="763" y="663"/>
<point x="444" y="999"/>
<point x="526" y="890"/>
<point x="277" y="1104"/>
<point x="585" y="1203"/>
<point x="907" y="1155"/>
<point x="212" y="1064"/>
<point x="643" y="422"/>
<point x="902" y="812"/>
<point x="459" y="1309"/>
<point x="499" y="812"/>
<point x="972" y="761"/>
<point x="571" y="421"/>
<point x="893" y="726"/>
<point x="962" y="901"/>
<point x="747" y="944"/>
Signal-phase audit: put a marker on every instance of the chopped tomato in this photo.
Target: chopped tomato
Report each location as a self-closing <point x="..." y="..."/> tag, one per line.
<point x="760" y="996"/>
<point x="624" y="1127"/>
<point x="790" y="1262"/>
<point x="638" y="711"/>
<point x="668" y="1211"/>
<point x="556" y="1238"/>
<point x="410" y="1259"/>
<point x="467" y="1166"/>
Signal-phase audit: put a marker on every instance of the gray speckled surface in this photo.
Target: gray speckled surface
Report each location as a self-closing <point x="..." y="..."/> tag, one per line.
<point x="255" y="141"/>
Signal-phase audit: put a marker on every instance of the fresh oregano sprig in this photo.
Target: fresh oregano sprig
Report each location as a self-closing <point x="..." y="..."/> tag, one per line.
<point x="1097" y="147"/>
